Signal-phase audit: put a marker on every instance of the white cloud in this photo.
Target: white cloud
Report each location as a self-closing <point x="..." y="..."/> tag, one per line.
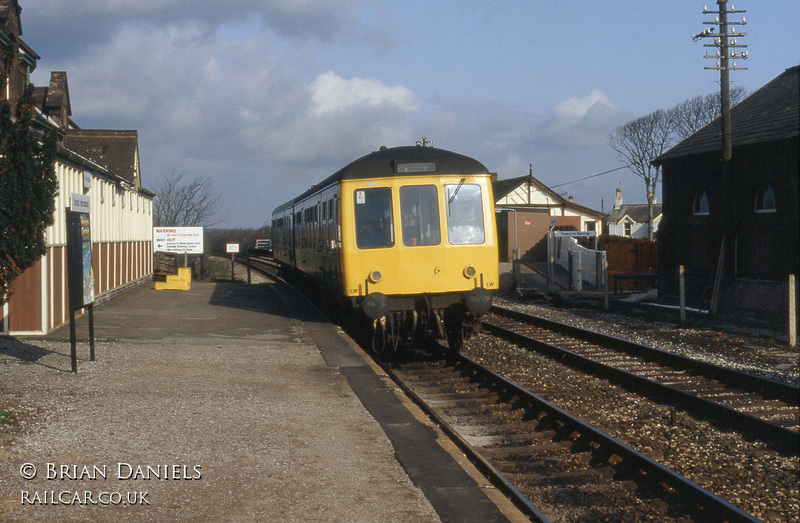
<point x="575" y="108"/>
<point x="580" y="121"/>
<point x="331" y="93"/>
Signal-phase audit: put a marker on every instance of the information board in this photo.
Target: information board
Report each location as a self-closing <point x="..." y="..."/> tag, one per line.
<point x="79" y="248"/>
<point x="178" y="240"/>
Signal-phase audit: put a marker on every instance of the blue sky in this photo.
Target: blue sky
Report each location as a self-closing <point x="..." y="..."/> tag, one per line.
<point x="267" y="97"/>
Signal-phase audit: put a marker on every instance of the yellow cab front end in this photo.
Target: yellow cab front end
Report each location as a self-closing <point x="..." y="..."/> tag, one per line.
<point x="418" y="236"/>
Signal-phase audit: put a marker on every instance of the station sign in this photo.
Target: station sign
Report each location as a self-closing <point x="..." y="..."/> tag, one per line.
<point x="178" y="240"/>
<point x="576" y="234"/>
<point x="232" y="248"/>
<point x="80" y="203"/>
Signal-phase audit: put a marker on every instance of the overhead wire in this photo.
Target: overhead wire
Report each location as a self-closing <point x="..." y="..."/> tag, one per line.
<point x="591" y="176"/>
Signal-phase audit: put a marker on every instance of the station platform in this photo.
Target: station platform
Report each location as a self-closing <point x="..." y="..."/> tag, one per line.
<point x="226" y="402"/>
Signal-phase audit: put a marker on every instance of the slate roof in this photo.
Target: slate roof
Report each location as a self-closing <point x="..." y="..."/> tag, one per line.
<point x="116" y="150"/>
<point x="506" y="186"/>
<point x="502" y="188"/>
<point x="769" y="114"/>
<point x="636" y="212"/>
<point x="50" y="99"/>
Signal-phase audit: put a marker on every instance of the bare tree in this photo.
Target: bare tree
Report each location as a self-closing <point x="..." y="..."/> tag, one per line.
<point x="186" y="203"/>
<point x="640" y="141"/>
<point x="637" y="143"/>
<point x="695" y="113"/>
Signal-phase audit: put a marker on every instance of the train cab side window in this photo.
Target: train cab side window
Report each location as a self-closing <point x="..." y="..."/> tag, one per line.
<point x="419" y="206"/>
<point x="464" y="214"/>
<point x="373" y="217"/>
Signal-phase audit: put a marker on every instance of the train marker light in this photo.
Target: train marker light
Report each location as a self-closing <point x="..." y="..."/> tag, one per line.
<point x="375" y="276"/>
<point x="469" y="271"/>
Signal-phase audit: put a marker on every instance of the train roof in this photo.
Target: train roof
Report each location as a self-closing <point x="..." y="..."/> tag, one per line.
<point x="402" y="161"/>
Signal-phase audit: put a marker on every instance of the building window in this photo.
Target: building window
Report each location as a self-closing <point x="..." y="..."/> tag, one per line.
<point x="765" y="199"/>
<point x="627" y="226"/>
<point x="701" y="204"/>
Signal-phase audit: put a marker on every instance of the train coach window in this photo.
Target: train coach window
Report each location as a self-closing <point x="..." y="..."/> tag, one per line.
<point x="419" y="206"/>
<point x="373" y="217"/>
<point x="464" y="214"/>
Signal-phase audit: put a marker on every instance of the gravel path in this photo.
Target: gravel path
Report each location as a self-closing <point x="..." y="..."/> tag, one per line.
<point x="229" y="415"/>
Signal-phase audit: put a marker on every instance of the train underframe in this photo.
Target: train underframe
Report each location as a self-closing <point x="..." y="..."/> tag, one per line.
<point x="399" y="321"/>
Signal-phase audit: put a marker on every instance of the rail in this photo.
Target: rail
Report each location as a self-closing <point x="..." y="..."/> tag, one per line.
<point x="776" y="435"/>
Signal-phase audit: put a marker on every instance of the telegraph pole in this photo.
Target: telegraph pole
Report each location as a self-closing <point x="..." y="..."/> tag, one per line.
<point x="726" y="54"/>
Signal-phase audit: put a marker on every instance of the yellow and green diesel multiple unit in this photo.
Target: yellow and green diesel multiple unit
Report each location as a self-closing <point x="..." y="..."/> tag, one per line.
<point x="407" y="234"/>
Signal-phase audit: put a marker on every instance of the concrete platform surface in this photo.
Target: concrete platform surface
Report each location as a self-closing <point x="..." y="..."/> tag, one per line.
<point x="226" y="402"/>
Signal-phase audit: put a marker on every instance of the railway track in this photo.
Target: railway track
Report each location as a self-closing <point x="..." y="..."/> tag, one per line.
<point x="557" y="466"/>
<point x="757" y="407"/>
<point x="554" y="465"/>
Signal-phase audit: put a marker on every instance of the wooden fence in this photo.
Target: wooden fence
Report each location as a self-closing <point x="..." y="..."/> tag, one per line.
<point x="629" y="256"/>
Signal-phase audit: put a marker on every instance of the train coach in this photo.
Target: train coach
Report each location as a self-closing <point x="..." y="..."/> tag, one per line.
<point x="406" y="234"/>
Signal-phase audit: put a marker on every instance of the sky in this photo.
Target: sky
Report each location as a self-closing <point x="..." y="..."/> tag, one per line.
<point x="267" y="97"/>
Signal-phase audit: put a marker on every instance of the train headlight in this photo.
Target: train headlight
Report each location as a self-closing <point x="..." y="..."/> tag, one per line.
<point x="470" y="272"/>
<point x="375" y="276"/>
<point x="479" y="301"/>
<point x="375" y="305"/>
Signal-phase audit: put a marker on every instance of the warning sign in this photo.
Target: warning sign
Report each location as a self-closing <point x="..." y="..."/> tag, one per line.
<point x="178" y="240"/>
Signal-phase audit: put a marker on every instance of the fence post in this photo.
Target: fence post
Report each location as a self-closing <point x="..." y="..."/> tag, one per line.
<point x="682" y="285"/>
<point x="605" y="281"/>
<point x="792" y="310"/>
<point x="569" y="265"/>
<point x="550" y="267"/>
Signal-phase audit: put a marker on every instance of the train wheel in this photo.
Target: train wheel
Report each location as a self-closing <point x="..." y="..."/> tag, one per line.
<point x="455" y="340"/>
<point x="454" y="317"/>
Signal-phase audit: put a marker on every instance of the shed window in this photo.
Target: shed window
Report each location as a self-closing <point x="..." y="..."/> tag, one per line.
<point x="701" y="204"/>
<point x="765" y="199"/>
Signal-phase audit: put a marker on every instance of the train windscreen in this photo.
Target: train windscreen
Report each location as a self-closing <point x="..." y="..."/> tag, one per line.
<point x="419" y="207"/>
<point x="464" y="214"/>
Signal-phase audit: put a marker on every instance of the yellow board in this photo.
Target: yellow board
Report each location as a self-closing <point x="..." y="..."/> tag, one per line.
<point x="177" y="282"/>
